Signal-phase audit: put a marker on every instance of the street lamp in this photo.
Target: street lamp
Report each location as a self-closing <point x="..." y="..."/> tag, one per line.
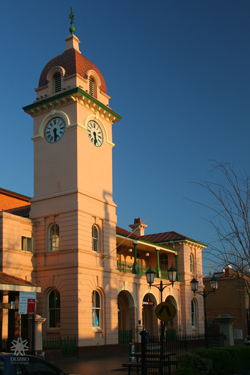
<point x="204" y="294"/>
<point x="171" y="276"/>
<point x="150" y="280"/>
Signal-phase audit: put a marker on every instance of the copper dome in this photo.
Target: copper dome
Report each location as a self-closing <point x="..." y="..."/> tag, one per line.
<point x="73" y="62"/>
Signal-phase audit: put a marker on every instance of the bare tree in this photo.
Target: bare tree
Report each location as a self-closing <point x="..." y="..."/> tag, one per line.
<point x="230" y="220"/>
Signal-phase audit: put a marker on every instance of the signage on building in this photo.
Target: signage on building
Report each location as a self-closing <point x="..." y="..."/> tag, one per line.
<point x="27" y="302"/>
<point x="147" y="303"/>
<point x="165" y="311"/>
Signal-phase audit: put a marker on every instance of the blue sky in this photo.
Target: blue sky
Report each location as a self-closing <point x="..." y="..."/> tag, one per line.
<point x="178" y="74"/>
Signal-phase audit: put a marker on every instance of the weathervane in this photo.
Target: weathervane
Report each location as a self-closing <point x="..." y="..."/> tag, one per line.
<point x="72" y="16"/>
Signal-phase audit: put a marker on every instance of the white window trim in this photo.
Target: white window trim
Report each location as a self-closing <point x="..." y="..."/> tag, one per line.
<point x="50" y="238"/>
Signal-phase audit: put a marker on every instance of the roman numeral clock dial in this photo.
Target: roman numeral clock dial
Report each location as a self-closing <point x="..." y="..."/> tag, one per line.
<point x="54" y="130"/>
<point x="95" y="133"/>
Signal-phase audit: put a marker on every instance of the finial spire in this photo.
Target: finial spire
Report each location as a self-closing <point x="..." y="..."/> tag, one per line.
<point x="72" y="16"/>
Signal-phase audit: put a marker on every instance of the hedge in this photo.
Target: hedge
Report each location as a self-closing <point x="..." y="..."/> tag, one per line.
<point x="215" y="361"/>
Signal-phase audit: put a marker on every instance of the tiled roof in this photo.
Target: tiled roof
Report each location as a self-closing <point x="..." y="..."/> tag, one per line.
<point x="155" y="238"/>
<point x="14" y="195"/>
<point x="73" y="62"/>
<point x="13" y="280"/>
<point x="20" y="211"/>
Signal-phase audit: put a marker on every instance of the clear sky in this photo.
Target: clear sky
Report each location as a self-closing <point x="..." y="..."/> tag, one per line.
<point x="178" y="74"/>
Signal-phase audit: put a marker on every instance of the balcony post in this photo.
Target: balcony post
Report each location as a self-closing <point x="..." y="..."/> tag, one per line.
<point x="158" y="269"/>
<point x="135" y="269"/>
<point x="176" y="266"/>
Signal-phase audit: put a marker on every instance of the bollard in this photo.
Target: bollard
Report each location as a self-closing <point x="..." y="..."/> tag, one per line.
<point x="133" y="351"/>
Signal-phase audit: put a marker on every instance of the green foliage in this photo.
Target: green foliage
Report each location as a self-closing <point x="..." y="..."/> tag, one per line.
<point x="228" y="360"/>
<point x="193" y="364"/>
<point x="239" y="358"/>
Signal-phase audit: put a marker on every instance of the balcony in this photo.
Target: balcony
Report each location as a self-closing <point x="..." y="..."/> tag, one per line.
<point x="127" y="268"/>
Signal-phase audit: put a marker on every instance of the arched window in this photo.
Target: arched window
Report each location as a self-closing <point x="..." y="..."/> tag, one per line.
<point x="191" y="263"/>
<point x="95" y="238"/>
<point x="57" y="82"/>
<point x="54" y="238"/>
<point x="193" y="313"/>
<point x="92" y="86"/>
<point x="96" y="309"/>
<point x="54" y="309"/>
<point x="164" y="262"/>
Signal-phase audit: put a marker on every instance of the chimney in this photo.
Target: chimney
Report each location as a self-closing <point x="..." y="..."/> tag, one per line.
<point x="228" y="271"/>
<point x="138" y="228"/>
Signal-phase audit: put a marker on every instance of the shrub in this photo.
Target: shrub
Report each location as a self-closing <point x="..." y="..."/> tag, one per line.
<point x="220" y="360"/>
<point x="193" y="364"/>
<point x="227" y="361"/>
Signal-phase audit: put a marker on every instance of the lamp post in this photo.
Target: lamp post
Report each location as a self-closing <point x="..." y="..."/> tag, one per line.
<point x="150" y="279"/>
<point x="171" y="276"/>
<point x="204" y="294"/>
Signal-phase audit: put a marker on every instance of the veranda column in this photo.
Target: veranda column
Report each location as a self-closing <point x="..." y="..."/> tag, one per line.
<point x="135" y="265"/>
<point x="158" y="269"/>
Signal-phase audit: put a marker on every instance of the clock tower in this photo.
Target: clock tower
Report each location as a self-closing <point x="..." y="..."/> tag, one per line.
<point x="73" y="208"/>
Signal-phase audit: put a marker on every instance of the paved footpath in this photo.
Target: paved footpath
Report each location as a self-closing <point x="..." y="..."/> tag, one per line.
<point x="96" y="366"/>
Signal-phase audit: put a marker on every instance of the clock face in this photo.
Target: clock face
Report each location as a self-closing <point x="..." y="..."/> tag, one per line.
<point x="54" y="130"/>
<point x="95" y="133"/>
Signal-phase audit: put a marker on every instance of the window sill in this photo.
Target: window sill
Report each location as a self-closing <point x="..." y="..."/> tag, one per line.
<point x="96" y="330"/>
<point x="53" y="329"/>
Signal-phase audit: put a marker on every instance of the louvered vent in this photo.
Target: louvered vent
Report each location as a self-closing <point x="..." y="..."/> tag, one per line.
<point x="57" y="82"/>
<point x="91" y="86"/>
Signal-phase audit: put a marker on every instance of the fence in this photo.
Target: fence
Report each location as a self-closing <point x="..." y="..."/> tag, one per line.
<point x="173" y="346"/>
<point x="128" y="267"/>
<point x="124" y="337"/>
<point x="68" y="345"/>
<point x="180" y="343"/>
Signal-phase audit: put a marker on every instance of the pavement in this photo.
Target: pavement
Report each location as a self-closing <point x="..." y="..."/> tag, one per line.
<point x="96" y="366"/>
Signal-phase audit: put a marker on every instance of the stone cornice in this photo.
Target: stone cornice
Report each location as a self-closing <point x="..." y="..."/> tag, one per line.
<point x="69" y="96"/>
<point x="193" y="244"/>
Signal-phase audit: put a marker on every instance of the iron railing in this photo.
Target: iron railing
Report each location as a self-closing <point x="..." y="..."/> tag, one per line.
<point x="163" y="359"/>
<point x="124" y="337"/>
<point x="67" y="344"/>
<point x="128" y="267"/>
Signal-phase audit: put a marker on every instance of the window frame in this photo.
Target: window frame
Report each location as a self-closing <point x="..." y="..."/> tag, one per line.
<point x="95" y="240"/>
<point x="165" y="268"/>
<point x="53" y="248"/>
<point x="28" y="241"/>
<point x="54" y="309"/>
<point x="96" y="308"/>
<point x="191" y="263"/>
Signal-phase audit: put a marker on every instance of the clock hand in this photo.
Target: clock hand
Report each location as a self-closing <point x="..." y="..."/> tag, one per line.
<point x="55" y="135"/>
<point x="95" y="140"/>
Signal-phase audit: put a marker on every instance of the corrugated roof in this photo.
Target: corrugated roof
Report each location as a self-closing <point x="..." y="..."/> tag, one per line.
<point x="165" y="237"/>
<point x="5" y="278"/>
<point x="157" y="237"/>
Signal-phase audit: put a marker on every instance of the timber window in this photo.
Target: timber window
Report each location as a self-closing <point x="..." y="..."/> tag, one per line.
<point x="54" y="309"/>
<point x="54" y="238"/>
<point x="96" y="309"/>
<point x="26" y="244"/>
